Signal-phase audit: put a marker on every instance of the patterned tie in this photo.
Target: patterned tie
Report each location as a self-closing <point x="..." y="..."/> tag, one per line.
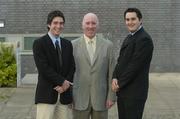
<point x="58" y="50"/>
<point x="90" y="50"/>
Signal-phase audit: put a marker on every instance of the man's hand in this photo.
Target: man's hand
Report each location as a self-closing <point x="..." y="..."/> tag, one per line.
<point x="66" y="84"/>
<point x="109" y="104"/>
<point x="59" y="89"/>
<point x="115" y="86"/>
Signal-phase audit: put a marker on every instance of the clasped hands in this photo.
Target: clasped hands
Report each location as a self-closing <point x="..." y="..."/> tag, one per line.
<point x="115" y="86"/>
<point x="66" y="84"/>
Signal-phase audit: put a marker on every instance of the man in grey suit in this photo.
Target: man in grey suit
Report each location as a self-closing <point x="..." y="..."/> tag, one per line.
<point x="94" y="61"/>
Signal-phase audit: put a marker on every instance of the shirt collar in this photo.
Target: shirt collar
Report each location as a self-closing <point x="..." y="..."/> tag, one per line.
<point x="132" y="33"/>
<point x="54" y="38"/>
<point x="87" y="39"/>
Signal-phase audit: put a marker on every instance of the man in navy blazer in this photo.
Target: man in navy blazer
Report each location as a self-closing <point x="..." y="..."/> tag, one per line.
<point x="131" y="74"/>
<point x="54" y="59"/>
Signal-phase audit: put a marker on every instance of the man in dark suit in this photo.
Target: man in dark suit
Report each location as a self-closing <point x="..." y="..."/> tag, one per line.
<point x="54" y="59"/>
<point x="131" y="74"/>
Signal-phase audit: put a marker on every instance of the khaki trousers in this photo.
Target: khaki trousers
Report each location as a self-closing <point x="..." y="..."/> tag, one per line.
<point x="53" y="111"/>
<point x="45" y="111"/>
<point x="62" y="112"/>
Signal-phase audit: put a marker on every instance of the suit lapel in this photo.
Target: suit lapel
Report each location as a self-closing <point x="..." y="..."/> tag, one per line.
<point x="84" y="50"/>
<point x="127" y="41"/>
<point x="50" y="45"/>
<point x="129" y="38"/>
<point x="51" y="49"/>
<point x="98" y="47"/>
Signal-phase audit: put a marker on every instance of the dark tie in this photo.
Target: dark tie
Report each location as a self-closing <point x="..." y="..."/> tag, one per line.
<point x="58" y="50"/>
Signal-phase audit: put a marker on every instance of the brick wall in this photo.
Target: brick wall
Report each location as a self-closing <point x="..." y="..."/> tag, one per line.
<point x="160" y="19"/>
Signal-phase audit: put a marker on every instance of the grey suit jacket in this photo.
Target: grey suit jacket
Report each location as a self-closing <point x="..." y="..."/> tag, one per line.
<point x="92" y="82"/>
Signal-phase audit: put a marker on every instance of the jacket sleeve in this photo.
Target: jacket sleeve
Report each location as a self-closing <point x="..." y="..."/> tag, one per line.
<point x="72" y="65"/>
<point x="111" y="94"/>
<point x="116" y="69"/>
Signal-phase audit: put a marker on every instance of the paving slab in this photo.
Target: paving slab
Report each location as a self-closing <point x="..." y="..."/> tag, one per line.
<point x="163" y="99"/>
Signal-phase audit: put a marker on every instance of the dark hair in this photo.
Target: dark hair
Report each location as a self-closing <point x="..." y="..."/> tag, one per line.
<point x="54" y="14"/>
<point x="137" y="11"/>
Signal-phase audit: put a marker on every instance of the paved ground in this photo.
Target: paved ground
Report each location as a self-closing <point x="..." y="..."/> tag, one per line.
<point x="163" y="101"/>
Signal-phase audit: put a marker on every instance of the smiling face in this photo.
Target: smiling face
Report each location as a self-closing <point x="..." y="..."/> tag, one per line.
<point x="56" y="26"/>
<point x="132" y="21"/>
<point x="90" y="24"/>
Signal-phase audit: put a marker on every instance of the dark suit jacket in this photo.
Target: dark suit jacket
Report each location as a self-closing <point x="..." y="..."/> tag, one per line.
<point x="49" y="72"/>
<point x="132" y="68"/>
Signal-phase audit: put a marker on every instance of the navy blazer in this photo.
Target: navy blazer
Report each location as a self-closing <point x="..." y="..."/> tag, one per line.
<point x="132" y="68"/>
<point x="50" y="74"/>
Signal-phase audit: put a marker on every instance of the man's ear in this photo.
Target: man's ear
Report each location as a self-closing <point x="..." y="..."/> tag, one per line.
<point x="140" y="21"/>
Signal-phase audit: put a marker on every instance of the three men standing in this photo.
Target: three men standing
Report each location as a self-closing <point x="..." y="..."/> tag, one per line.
<point x="94" y="62"/>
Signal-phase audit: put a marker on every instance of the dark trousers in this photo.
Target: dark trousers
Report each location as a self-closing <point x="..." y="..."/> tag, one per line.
<point x="130" y="108"/>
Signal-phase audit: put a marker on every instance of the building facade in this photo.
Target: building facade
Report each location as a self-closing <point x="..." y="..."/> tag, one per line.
<point x="25" y="20"/>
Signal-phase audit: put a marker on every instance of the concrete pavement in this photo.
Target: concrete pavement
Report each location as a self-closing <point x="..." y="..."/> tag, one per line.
<point x="163" y="100"/>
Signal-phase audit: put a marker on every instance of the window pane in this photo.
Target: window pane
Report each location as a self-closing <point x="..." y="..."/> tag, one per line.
<point x="70" y="38"/>
<point x="2" y="39"/>
<point x="28" y="42"/>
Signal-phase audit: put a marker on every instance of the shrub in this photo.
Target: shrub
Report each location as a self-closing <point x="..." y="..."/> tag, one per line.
<point x="8" y="70"/>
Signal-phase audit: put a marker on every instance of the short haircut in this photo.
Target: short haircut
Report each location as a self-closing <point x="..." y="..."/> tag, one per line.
<point x="53" y="14"/>
<point x="137" y="11"/>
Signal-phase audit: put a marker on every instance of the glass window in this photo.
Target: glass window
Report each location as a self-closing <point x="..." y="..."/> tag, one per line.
<point x="28" y="42"/>
<point x="70" y="38"/>
<point x="2" y="39"/>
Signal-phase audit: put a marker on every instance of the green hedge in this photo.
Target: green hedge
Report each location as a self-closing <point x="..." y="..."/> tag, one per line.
<point x="8" y="70"/>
